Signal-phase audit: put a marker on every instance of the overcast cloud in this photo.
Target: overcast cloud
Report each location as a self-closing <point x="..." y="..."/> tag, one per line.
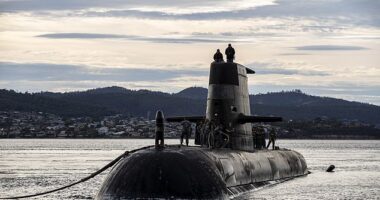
<point x="187" y="39"/>
<point x="323" y="47"/>
<point x="329" y="48"/>
<point x="57" y="72"/>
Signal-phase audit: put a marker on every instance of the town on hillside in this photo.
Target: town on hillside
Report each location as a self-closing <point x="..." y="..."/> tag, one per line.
<point x="17" y="124"/>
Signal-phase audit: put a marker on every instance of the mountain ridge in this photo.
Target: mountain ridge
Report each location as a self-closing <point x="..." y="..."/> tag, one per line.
<point x="99" y="102"/>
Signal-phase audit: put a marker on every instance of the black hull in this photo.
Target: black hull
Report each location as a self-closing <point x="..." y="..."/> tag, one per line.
<point x="198" y="173"/>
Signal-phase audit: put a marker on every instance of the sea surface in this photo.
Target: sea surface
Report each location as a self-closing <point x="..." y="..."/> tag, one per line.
<point x="28" y="166"/>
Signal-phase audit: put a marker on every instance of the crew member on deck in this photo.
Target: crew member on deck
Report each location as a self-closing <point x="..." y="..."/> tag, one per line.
<point x="272" y="138"/>
<point x="260" y="136"/>
<point x="230" y="53"/>
<point x="198" y="132"/>
<point x="254" y="135"/>
<point x="263" y="143"/>
<point x="218" y="57"/>
<point x="186" y="132"/>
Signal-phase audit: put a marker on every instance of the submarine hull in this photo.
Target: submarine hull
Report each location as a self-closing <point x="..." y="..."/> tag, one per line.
<point x="198" y="173"/>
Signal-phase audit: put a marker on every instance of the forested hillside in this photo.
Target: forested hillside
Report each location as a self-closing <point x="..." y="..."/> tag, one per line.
<point x="191" y="101"/>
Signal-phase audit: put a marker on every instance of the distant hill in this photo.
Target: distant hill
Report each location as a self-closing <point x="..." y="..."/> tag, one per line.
<point x="297" y="105"/>
<point x="193" y="93"/>
<point x="191" y="101"/>
<point x="52" y="103"/>
<point x="135" y="103"/>
<point x="300" y="106"/>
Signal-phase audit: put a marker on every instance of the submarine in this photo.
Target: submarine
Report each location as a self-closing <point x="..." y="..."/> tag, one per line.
<point x="226" y="160"/>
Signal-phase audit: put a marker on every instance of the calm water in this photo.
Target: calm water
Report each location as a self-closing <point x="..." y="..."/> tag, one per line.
<point x="34" y="165"/>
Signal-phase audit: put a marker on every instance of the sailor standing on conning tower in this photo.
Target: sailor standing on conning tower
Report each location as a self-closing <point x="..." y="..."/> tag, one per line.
<point x="218" y="57"/>
<point x="230" y="53"/>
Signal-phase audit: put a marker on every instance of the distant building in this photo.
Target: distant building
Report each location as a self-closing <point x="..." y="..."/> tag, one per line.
<point x="103" y="130"/>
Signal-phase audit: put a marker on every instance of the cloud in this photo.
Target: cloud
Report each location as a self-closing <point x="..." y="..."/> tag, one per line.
<point x="43" y="5"/>
<point x="81" y="36"/>
<point x="186" y="39"/>
<point x="59" y="72"/>
<point x="329" y="48"/>
<point x="293" y="54"/>
<point x="266" y="68"/>
<point x="357" y="12"/>
<point x="170" y="6"/>
<point x="109" y="26"/>
<point x="347" y="91"/>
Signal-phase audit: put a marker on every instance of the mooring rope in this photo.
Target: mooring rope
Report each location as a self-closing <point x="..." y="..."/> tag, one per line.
<point x="113" y="162"/>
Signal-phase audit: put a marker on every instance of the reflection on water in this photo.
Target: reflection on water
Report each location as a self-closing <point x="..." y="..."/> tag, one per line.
<point x="33" y="165"/>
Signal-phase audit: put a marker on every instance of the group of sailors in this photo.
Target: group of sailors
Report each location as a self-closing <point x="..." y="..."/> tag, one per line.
<point x="208" y="133"/>
<point x="259" y="142"/>
<point x="212" y="134"/>
<point x="230" y="54"/>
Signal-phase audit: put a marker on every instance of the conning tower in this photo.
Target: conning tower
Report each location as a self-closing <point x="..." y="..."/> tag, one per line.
<point x="228" y="99"/>
<point x="228" y="107"/>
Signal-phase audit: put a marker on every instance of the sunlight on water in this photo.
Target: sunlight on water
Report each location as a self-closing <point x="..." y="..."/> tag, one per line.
<point x="34" y="165"/>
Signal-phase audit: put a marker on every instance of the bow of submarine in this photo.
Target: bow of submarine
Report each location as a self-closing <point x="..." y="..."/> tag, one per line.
<point x="179" y="173"/>
<point x="176" y="172"/>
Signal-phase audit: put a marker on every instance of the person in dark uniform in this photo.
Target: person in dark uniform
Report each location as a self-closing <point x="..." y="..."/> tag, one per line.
<point x="186" y="132"/>
<point x="263" y="143"/>
<point x="254" y="135"/>
<point x="218" y="57"/>
<point x="230" y="53"/>
<point x="272" y="138"/>
<point x="198" y="132"/>
<point x="260" y="138"/>
<point x="203" y="133"/>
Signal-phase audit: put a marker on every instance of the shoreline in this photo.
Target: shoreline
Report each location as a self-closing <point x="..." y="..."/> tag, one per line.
<point x="139" y="138"/>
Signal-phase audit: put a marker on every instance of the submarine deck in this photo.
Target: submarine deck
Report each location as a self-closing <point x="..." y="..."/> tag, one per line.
<point x="200" y="173"/>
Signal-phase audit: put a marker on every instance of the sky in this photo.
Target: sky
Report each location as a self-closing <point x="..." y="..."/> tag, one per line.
<point x="325" y="47"/>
